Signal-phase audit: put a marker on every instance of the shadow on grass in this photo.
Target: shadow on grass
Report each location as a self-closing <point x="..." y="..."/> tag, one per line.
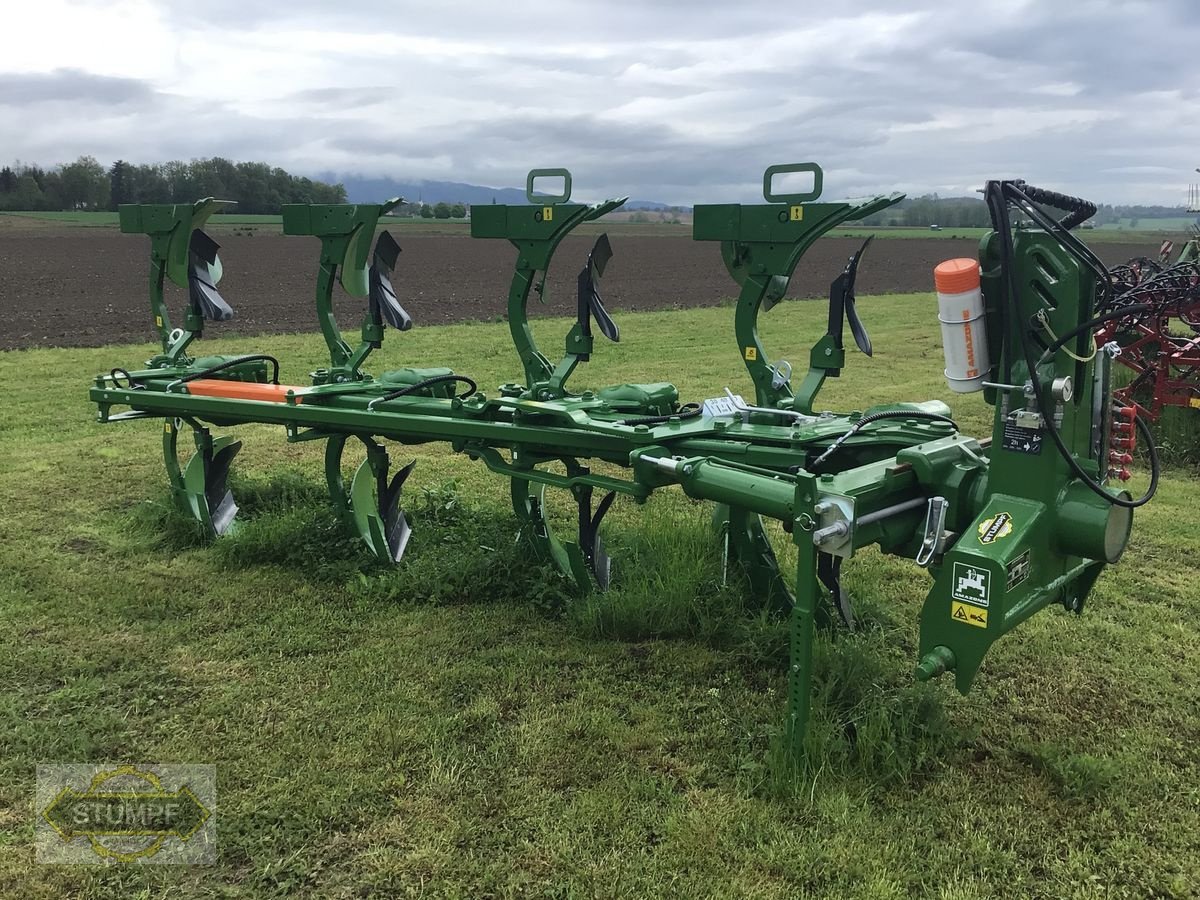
<point x="868" y="720"/>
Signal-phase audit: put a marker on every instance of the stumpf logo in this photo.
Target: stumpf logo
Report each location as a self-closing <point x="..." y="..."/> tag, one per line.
<point x="998" y="526"/>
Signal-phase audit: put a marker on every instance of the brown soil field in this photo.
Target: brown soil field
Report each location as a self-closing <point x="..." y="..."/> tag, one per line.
<point x="75" y="287"/>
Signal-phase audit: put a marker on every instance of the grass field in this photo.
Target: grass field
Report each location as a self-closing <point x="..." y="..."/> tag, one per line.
<point x="461" y="727"/>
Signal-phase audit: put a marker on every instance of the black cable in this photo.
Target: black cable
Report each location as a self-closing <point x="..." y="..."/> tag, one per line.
<point x="230" y="363"/>
<point x="130" y="384"/>
<point x="875" y="417"/>
<point x="429" y="382"/>
<point x="1091" y="323"/>
<point x="998" y="206"/>
<point x="686" y="411"/>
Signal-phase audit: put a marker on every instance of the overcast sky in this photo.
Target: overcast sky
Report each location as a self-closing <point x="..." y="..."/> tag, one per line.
<point x="673" y="100"/>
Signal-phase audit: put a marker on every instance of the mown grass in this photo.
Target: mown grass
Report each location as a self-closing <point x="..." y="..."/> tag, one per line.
<point x="463" y="726"/>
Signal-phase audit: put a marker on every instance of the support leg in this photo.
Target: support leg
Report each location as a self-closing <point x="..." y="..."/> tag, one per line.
<point x="802" y="628"/>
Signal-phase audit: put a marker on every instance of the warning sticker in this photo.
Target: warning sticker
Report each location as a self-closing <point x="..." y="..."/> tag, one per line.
<point x="998" y="526"/>
<point x="796" y="213"/>
<point x="751" y="353"/>
<point x="1021" y="440"/>
<point x="1018" y="570"/>
<point x="970" y="584"/>
<point x="968" y="615"/>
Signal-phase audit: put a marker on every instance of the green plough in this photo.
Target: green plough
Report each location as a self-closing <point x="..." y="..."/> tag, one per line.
<point x="1006" y="524"/>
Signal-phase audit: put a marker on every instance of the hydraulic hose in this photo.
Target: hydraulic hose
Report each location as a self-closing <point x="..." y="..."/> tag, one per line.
<point x="229" y="364"/>
<point x="408" y="389"/>
<point x="686" y="411"/>
<point x="997" y="195"/>
<point x="875" y="417"/>
<point x="1064" y="338"/>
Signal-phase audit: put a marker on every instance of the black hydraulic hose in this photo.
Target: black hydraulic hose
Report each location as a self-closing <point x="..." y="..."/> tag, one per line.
<point x="130" y="384"/>
<point x="1091" y="323"/>
<point x="1078" y="209"/>
<point x="686" y="411"/>
<point x="229" y="364"/>
<point x="429" y="382"/>
<point x="875" y="417"/>
<point x="998" y="206"/>
<point x="1019" y="196"/>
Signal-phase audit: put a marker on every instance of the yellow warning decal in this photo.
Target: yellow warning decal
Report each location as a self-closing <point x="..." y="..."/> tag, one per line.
<point x="796" y="213"/>
<point x="547" y="213"/>
<point x="168" y="426"/>
<point x="968" y="615"/>
<point x="1194" y="402"/>
<point x="158" y="321"/>
<point x="751" y="353"/>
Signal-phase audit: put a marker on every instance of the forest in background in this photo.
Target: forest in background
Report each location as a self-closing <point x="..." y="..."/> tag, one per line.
<point x="87" y="185"/>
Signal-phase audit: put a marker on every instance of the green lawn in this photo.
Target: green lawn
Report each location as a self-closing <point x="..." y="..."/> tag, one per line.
<point x="1169" y="224"/>
<point x="460" y="727"/>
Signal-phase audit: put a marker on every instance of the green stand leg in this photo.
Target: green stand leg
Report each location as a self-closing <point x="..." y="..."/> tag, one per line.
<point x="803" y="624"/>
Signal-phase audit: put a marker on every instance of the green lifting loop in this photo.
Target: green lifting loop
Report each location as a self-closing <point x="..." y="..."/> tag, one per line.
<point x="547" y="199"/>
<point x="787" y="169"/>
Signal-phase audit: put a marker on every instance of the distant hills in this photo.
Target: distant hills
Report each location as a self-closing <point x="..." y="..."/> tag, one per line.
<point x="371" y="190"/>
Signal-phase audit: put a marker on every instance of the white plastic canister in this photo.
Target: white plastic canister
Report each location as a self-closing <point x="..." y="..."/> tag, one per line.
<point x="964" y="329"/>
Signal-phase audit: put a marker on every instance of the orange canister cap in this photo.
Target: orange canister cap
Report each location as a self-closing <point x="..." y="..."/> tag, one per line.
<point x="956" y="276"/>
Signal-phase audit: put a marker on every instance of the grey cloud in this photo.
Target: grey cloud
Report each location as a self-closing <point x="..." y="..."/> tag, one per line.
<point x="677" y="101"/>
<point x="21" y="89"/>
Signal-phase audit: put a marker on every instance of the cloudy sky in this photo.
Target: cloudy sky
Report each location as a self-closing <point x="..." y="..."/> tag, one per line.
<point x="673" y="100"/>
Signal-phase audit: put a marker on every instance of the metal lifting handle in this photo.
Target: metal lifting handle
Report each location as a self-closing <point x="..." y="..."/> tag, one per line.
<point x="550" y="199"/>
<point x="788" y="168"/>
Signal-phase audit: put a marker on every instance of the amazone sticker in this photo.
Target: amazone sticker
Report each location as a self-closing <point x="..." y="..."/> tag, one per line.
<point x="970" y="584"/>
<point x="998" y="526"/>
<point x="968" y="615"/>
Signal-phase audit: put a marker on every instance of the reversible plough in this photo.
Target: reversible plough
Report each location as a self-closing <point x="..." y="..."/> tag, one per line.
<point x="1006" y="525"/>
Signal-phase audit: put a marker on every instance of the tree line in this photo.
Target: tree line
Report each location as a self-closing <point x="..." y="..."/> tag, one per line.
<point x="971" y="212"/>
<point x="87" y="185"/>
